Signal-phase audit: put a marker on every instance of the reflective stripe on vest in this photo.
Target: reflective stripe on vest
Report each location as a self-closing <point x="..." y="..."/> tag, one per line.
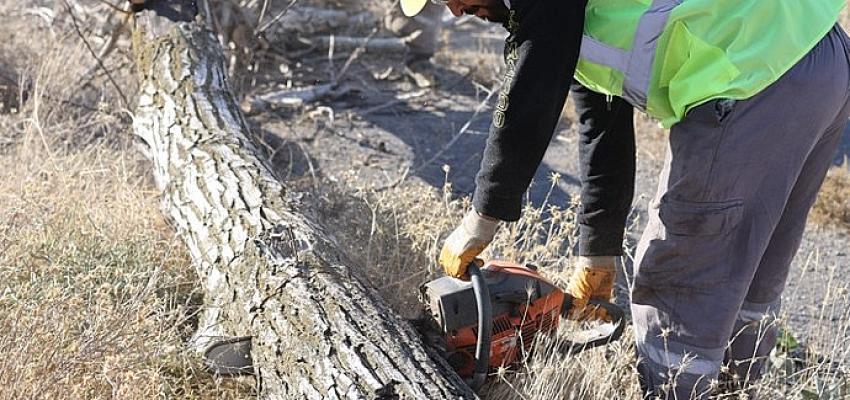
<point x="634" y="64"/>
<point x="667" y="56"/>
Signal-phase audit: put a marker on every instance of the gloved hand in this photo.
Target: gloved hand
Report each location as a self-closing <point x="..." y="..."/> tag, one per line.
<point x="588" y="283"/>
<point x="466" y="242"/>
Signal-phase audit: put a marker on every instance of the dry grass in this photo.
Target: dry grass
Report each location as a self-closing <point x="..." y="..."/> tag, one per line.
<point x="833" y="203"/>
<point x="400" y="231"/>
<point x="97" y="295"/>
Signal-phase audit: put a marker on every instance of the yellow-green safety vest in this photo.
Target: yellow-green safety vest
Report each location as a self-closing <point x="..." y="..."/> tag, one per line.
<point x="668" y="56"/>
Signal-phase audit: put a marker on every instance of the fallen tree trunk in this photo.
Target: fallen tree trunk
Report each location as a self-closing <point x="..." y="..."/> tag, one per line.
<point x="267" y="270"/>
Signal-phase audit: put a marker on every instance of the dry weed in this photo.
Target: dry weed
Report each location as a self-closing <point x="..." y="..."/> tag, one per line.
<point x="833" y="204"/>
<point x="97" y="296"/>
<point x="396" y="233"/>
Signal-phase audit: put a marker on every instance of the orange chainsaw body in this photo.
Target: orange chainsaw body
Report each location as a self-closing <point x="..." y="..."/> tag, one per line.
<point x="524" y="304"/>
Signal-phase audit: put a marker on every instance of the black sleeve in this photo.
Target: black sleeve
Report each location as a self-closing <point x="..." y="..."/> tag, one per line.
<point x="541" y="54"/>
<point x="606" y="149"/>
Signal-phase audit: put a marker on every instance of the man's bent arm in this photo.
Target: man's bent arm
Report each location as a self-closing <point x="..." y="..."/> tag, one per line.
<point x="541" y="55"/>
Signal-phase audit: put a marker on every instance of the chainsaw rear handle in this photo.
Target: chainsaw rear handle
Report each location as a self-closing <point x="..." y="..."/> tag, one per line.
<point x="485" y="325"/>
<point x="617" y="318"/>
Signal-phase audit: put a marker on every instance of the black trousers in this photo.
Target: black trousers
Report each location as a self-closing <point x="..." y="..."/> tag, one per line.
<point x="606" y="170"/>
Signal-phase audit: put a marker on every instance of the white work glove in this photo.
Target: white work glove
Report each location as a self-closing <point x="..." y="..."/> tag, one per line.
<point x="466" y="242"/>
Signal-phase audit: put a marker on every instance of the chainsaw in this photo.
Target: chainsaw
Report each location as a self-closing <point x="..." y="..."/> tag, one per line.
<point x="513" y="303"/>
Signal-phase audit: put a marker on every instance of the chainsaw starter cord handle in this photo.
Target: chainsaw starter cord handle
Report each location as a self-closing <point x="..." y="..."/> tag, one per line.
<point x="485" y="325"/>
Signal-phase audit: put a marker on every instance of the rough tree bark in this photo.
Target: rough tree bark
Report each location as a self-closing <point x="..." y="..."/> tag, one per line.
<point x="268" y="271"/>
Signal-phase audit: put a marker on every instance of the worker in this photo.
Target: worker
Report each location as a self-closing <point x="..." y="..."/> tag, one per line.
<point x="755" y="94"/>
<point x="606" y="153"/>
<point x="606" y="148"/>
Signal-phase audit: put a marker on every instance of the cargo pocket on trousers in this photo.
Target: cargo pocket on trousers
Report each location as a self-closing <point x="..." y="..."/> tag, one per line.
<point x="687" y="218"/>
<point x="687" y="252"/>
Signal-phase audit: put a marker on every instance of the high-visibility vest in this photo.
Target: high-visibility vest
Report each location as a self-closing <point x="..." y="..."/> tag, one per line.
<point x="668" y="56"/>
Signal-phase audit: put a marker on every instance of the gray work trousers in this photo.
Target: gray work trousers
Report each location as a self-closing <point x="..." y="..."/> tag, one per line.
<point x="732" y="202"/>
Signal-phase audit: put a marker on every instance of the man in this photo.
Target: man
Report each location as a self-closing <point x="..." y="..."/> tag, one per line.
<point x="607" y="172"/>
<point x="756" y="95"/>
<point x="606" y="152"/>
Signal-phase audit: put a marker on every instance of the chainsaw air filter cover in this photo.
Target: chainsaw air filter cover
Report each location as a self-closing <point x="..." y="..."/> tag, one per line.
<point x="523" y="304"/>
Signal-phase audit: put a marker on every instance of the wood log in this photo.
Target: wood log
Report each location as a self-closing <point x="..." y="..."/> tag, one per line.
<point x="295" y="97"/>
<point x="268" y="271"/>
<point x="310" y="21"/>
<point x="371" y="45"/>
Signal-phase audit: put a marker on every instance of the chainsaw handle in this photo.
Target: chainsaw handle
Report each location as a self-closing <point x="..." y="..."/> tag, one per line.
<point x="485" y="325"/>
<point x="617" y="317"/>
